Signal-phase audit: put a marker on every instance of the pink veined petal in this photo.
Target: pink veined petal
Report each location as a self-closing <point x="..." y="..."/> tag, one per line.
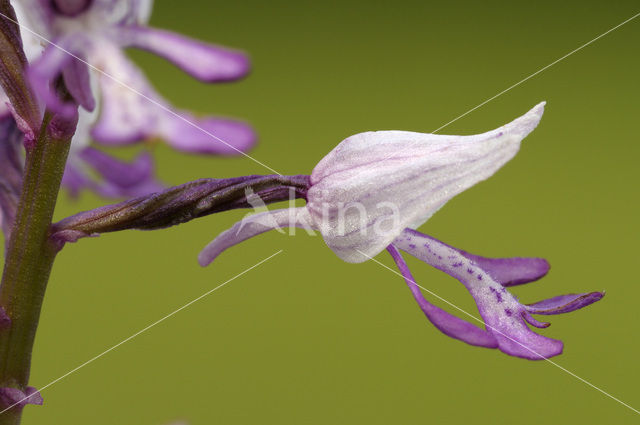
<point x="447" y="323"/>
<point x="254" y="225"/>
<point x="501" y="312"/>
<point x="52" y="63"/>
<point x="206" y="62"/>
<point x="121" y="179"/>
<point x="564" y="303"/>
<point x="77" y="80"/>
<point x="415" y="174"/>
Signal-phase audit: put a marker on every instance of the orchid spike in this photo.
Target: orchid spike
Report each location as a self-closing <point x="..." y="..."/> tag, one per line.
<point x="374" y="188"/>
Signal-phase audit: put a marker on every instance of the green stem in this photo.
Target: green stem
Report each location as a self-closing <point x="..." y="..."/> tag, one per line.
<point x="30" y="256"/>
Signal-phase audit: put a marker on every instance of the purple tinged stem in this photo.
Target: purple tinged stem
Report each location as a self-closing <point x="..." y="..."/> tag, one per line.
<point x="30" y="254"/>
<point x="179" y="204"/>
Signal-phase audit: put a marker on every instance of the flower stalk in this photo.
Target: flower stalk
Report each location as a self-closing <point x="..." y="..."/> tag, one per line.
<point x="30" y="254"/>
<point x="180" y="204"/>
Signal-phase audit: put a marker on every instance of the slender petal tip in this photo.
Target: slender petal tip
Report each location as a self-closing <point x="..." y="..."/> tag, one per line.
<point x="564" y="303"/>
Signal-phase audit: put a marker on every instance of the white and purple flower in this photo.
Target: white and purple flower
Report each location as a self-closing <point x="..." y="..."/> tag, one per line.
<point x="375" y="188"/>
<point x="118" y="104"/>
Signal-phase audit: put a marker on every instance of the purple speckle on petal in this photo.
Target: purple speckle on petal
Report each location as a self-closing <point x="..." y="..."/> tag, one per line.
<point x="456" y="264"/>
<point x="470" y="271"/>
<point x="411" y="245"/>
<point x="479" y="277"/>
<point x="508" y="312"/>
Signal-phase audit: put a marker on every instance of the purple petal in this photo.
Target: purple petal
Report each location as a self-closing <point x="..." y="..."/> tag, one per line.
<point x="120" y="179"/>
<point x="533" y="322"/>
<point x="53" y="62"/>
<point x="77" y="79"/>
<point x="501" y="312"/>
<point x="10" y="397"/>
<point x="128" y="116"/>
<point x="512" y="271"/>
<point x="447" y="323"/>
<point x="254" y="225"/>
<point x="117" y="172"/>
<point x="564" y="303"/>
<point x="208" y="136"/>
<point x="203" y="61"/>
<point x="34" y="396"/>
<point x="508" y="271"/>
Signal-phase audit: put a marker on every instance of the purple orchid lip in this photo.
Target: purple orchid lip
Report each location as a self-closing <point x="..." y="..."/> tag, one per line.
<point x="505" y="318"/>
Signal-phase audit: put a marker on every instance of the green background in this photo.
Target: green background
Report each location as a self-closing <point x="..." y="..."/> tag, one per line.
<point x="308" y="339"/>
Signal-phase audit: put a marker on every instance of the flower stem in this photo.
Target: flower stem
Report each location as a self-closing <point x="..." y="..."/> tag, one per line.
<point x="30" y="256"/>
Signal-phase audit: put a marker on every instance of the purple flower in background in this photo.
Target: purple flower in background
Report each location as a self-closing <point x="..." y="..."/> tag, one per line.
<point x="374" y="188"/>
<point x="119" y="106"/>
<point x="130" y="109"/>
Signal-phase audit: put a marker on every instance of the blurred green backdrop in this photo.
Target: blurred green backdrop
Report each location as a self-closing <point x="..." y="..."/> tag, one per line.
<point x="308" y="339"/>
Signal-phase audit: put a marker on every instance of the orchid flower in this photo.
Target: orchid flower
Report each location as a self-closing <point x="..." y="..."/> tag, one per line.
<point x="370" y="193"/>
<point x="87" y="41"/>
<point x="119" y="106"/>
